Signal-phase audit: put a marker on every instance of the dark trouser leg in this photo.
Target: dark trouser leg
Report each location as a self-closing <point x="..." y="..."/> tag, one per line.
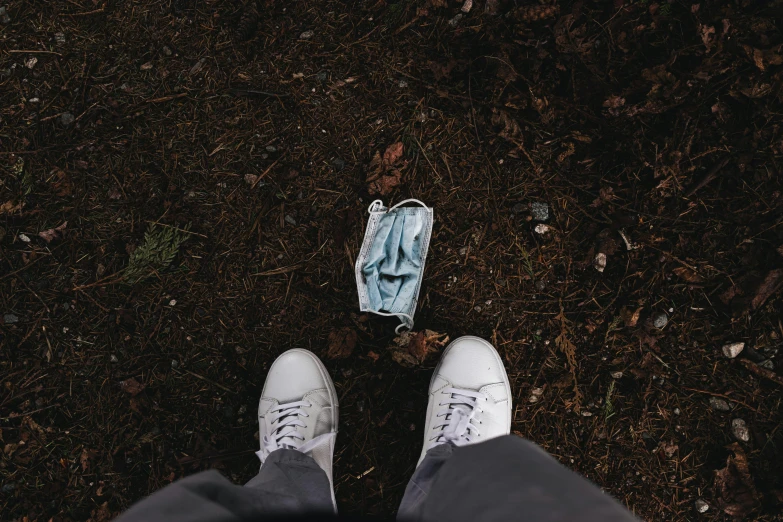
<point x="289" y="482"/>
<point x="503" y="479"/>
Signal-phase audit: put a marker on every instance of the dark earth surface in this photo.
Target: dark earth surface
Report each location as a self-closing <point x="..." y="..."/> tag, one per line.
<point x="243" y="147"/>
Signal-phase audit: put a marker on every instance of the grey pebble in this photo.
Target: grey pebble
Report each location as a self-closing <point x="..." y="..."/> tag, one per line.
<point x="114" y="359"/>
<point x="660" y="320"/>
<point x="322" y="76"/>
<point x="174" y="364"/>
<point x="540" y="285"/>
<point x="59" y="38"/>
<point x="290" y="220"/>
<point x="539" y="210"/>
<point x="7" y="488"/>
<point x="306" y="35"/>
<point x="740" y="430"/>
<point x="719" y="404"/>
<point x="67" y="118"/>
<point x="701" y="506"/>
<point x="10" y="319"/>
<point x="271" y="148"/>
<point x="768" y="364"/>
<point x="166" y="50"/>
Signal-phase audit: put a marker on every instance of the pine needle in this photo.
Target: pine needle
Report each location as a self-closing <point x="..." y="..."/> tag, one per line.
<point x="155" y="254"/>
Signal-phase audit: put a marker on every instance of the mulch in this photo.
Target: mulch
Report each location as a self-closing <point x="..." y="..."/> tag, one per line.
<point x="231" y="149"/>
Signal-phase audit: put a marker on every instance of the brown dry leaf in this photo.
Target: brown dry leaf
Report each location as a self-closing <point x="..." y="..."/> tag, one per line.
<point x="735" y="491"/>
<point x="384" y="184"/>
<point x="569" y="349"/>
<point x="707" y="33"/>
<point x="101" y="514"/>
<point x="62" y="186"/>
<point x="393" y="154"/>
<point x="132" y="386"/>
<point x="9" y="207"/>
<point x="630" y="318"/>
<point x="342" y="343"/>
<point x="412" y="348"/>
<point x="771" y="284"/>
<point x="85" y="458"/>
<point x="757" y="91"/>
<point x="688" y="275"/>
<point x="52" y="233"/>
<point x="374" y="356"/>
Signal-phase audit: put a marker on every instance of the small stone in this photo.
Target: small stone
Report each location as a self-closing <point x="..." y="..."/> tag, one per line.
<point x="306" y="35"/>
<point x="617" y="375"/>
<point x="322" y="76"/>
<point x="173" y="302"/>
<point x="174" y="364"/>
<point x="403" y="84"/>
<point x="67" y="118"/>
<point x="290" y="220"/>
<point x="10" y="319"/>
<point x="166" y="50"/>
<point x="539" y="211"/>
<point x="740" y="430"/>
<point x="242" y="410"/>
<point x="733" y="349"/>
<point x="599" y="263"/>
<point x="477" y="308"/>
<point x="463" y="251"/>
<point x="677" y="411"/>
<point x="540" y="285"/>
<point x="146" y="66"/>
<point x="24" y="237"/>
<point x="454" y="21"/>
<point x="518" y="208"/>
<point x="660" y="320"/>
<point x="719" y="404"/>
<point x="541" y="229"/>
<point x="7" y="488"/>
<point x="467" y="6"/>
<point x="586" y="413"/>
<point x="535" y="395"/>
<point x="114" y="359"/>
<point x="30" y="62"/>
<point x="768" y="364"/>
<point x="701" y="506"/>
<point x="271" y="148"/>
<point x="251" y="179"/>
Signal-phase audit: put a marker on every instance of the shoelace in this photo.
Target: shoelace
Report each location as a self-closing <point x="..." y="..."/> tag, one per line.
<point x="459" y="416"/>
<point x="285" y="435"/>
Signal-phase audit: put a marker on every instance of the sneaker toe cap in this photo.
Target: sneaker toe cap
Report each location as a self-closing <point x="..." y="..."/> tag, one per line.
<point x="292" y="375"/>
<point x="471" y="363"/>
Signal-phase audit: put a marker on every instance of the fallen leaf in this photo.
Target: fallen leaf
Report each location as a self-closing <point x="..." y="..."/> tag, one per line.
<point x="9" y="207"/>
<point x="630" y="318"/>
<point x="735" y="491"/>
<point x="393" y="154"/>
<point x="85" y="457"/>
<point x="385" y="183"/>
<point x="341" y="343"/>
<point x="412" y="348"/>
<point x="688" y="275"/>
<point x="707" y="35"/>
<point x="374" y="356"/>
<point x="52" y="233"/>
<point x="132" y="386"/>
<point x="771" y="284"/>
<point x="63" y="186"/>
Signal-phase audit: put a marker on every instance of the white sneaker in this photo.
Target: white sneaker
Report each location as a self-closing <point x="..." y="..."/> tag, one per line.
<point x="470" y="397"/>
<point x="298" y="409"/>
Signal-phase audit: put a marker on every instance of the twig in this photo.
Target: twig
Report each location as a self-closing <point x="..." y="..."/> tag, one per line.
<point x="167" y="98"/>
<point x="210" y="381"/>
<point x="263" y="174"/>
<point x="711" y="175"/>
<point x="25" y="51"/>
<point x="722" y="396"/>
<point x="278" y="271"/>
<point x="762" y="372"/>
<point x="96" y="11"/>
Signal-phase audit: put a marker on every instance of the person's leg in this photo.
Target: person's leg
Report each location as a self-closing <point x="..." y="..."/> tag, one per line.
<point x="471" y="469"/>
<point x="297" y="416"/>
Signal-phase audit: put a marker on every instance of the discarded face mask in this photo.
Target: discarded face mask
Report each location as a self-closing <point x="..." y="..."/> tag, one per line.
<point x="390" y="265"/>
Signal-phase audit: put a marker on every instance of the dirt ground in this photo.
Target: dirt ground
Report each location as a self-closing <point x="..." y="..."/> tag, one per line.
<point x="239" y="137"/>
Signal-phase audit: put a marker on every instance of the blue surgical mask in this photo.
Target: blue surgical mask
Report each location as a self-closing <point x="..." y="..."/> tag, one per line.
<point x="391" y="262"/>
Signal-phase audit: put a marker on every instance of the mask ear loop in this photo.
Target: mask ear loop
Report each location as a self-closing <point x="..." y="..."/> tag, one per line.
<point x="404" y="324"/>
<point x="375" y="207"/>
<point x="412" y="200"/>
